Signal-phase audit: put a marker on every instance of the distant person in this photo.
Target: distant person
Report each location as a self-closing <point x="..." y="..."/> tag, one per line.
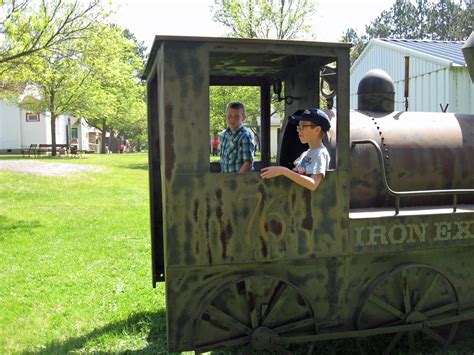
<point x="237" y="147"/>
<point x="122" y="148"/>
<point x="215" y="147"/>
<point x="311" y="166"/>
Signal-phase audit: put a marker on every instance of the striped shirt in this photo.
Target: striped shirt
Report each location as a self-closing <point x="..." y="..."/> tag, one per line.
<point x="237" y="147"/>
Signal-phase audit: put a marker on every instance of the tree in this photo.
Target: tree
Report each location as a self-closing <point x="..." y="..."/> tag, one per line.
<point x="442" y="20"/>
<point x="59" y="78"/>
<point x="28" y="27"/>
<point x="114" y="96"/>
<point x="358" y="42"/>
<point x="279" y="19"/>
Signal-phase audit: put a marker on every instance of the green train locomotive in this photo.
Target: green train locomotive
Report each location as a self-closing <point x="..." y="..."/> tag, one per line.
<point x="384" y="246"/>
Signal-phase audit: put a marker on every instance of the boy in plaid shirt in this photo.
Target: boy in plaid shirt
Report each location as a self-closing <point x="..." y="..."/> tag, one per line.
<point x="237" y="147"/>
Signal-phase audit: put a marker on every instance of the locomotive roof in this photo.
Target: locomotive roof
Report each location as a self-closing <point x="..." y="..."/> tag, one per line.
<point x="242" y="63"/>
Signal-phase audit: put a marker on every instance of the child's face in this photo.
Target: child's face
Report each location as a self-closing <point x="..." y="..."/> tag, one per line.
<point x="234" y="117"/>
<point x="307" y="131"/>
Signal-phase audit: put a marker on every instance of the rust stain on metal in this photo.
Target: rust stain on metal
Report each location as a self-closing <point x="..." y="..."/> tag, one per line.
<point x="208" y="217"/>
<point x="219" y="205"/>
<point x="196" y="209"/>
<point x="226" y="233"/>
<point x="226" y="229"/>
<point x="169" y="151"/>
<point x="264" y="247"/>
<point x="308" y="219"/>
<point x="276" y="227"/>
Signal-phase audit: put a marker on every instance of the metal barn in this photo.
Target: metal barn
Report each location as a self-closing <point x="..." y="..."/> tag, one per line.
<point x="438" y="76"/>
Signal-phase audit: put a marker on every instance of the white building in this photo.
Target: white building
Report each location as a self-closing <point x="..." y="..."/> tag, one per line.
<point x="19" y="128"/>
<point x="438" y="74"/>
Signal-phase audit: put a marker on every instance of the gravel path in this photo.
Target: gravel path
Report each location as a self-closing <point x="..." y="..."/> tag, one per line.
<point x="44" y="168"/>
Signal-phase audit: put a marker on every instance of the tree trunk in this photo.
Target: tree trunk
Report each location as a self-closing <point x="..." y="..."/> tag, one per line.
<point x="53" y="133"/>
<point x="104" y="135"/>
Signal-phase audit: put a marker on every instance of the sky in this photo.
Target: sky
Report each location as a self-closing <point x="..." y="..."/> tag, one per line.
<point x="147" y="18"/>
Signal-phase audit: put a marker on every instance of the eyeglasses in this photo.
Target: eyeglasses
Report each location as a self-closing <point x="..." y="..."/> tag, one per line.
<point x="300" y="127"/>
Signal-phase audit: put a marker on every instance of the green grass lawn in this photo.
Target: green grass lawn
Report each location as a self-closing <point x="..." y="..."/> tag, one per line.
<point x="75" y="260"/>
<point x="75" y="263"/>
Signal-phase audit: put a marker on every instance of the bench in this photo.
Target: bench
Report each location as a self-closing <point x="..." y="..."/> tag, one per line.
<point x="30" y="150"/>
<point x="47" y="148"/>
<point x="76" y="152"/>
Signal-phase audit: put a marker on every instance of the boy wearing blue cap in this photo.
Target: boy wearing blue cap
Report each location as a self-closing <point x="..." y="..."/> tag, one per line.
<point x="311" y="166"/>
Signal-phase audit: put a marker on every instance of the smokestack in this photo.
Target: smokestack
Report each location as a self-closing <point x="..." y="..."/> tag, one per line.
<point x="468" y="52"/>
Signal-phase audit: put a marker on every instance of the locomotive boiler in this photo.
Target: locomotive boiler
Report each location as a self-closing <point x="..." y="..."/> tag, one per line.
<point x="383" y="247"/>
<point x="421" y="151"/>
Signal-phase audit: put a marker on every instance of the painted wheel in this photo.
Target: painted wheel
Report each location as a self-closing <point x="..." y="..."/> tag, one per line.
<point x="252" y="313"/>
<point x="414" y="295"/>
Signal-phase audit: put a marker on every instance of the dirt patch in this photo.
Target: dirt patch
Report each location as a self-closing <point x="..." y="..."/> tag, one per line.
<point x="45" y="168"/>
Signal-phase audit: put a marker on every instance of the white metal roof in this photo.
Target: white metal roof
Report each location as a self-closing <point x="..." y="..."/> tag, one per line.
<point x="446" y="53"/>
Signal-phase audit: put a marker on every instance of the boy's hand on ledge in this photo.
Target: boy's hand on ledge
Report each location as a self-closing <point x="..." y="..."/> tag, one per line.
<point x="273" y="171"/>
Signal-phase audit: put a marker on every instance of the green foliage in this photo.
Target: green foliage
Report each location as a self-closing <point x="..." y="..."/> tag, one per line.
<point x="445" y="20"/>
<point x="279" y="19"/>
<point x="220" y="96"/>
<point x="114" y="96"/>
<point x="75" y="62"/>
<point x="29" y="27"/>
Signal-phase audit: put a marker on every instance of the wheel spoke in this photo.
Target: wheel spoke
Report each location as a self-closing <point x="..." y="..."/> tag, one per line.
<point x="423" y="298"/>
<point x="406" y="292"/>
<point x="393" y="342"/>
<point x="390" y="324"/>
<point x="252" y="304"/>
<point x="217" y="314"/>
<point x="278" y="300"/>
<point x="432" y="334"/>
<point x="294" y="325"/>
<point x="440" y="310"/>
<point x="389" y="308"/>
<point x="230" y="342"/>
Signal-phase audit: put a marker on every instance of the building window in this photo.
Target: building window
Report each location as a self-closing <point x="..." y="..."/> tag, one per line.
<point x="32" y="117"/>
<point x="74" y="133"/>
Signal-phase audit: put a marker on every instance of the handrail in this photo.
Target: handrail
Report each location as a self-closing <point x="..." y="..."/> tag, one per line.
<point x="398" y="194"/>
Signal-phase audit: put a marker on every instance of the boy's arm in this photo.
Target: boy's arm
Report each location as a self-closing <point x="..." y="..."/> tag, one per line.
<point x="247" y="153"/>
<point x="246" y="166"/>
<point x="310" y="182"/>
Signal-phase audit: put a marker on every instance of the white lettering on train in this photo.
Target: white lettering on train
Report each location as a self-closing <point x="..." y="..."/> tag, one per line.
<point x="398" y="234"/>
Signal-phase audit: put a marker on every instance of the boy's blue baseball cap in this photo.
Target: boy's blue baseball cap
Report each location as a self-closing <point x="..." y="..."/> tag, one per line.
<point x="314" y="115"/>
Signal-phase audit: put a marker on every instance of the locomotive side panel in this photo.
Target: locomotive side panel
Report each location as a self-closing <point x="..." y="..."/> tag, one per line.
<point x="239" y="218"/>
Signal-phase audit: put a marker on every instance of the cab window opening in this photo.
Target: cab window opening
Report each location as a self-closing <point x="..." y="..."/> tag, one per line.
<point x="251" y="97"/>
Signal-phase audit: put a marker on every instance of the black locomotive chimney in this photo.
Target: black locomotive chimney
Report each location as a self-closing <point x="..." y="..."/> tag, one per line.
<point x="376" y="92"/>
<point x="468" y="52"/>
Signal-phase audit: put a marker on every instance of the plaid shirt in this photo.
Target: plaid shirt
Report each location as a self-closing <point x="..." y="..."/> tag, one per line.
<point x="236" y="148"/>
